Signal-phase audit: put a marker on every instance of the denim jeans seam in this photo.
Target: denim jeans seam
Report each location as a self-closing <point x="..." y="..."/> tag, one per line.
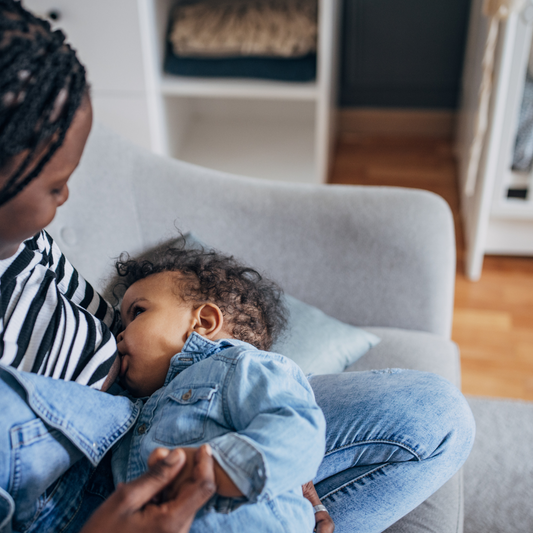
<point x="40" y="506"/>
<point x="375" y="441"/>
<point x="72" y="517"/>
<point x="80" y="503"/>
<point x="353" y="481"/>
<point x="78" y="507"/>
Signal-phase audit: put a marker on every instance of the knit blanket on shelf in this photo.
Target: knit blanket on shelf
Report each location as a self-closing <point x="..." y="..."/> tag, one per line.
<point x="233" y="28"/>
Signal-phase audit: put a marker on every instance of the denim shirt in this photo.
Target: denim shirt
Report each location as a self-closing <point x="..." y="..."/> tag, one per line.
<point x="257" y="411"/>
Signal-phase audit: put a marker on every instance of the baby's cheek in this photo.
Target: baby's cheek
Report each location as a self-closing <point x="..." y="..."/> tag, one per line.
<point x="151" y="379"/>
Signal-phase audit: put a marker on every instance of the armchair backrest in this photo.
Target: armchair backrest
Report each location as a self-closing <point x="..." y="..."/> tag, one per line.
<point x="365" y="255"/>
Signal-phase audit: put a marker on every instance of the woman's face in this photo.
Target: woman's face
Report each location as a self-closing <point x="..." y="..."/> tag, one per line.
<point x="35" y="207"/>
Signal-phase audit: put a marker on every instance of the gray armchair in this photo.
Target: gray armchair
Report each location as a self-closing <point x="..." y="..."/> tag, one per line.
<point x="381" y="258"/>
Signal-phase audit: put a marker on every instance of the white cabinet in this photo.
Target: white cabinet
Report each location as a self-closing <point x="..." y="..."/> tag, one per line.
<point x="106" y="36"/>
<point x="495" y="223"/>
<point x="259" y="128"/>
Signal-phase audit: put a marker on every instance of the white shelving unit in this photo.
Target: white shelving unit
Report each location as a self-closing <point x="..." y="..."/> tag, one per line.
<point x="494" y="223"/>
<point x="260" y="128"/>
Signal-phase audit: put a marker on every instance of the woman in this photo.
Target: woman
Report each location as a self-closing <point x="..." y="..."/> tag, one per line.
<point x="393" y="438"/>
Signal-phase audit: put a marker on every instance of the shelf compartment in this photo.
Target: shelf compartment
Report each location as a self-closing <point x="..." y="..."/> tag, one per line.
<point x="262" y="139"/>
<point x="509" y="237"/>
<point x="300" y="122"/>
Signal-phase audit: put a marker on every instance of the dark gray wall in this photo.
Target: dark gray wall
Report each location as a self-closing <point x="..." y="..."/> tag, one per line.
<point x="402" y="53"/>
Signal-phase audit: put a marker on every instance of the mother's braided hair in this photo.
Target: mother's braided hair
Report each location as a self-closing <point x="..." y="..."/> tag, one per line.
<point x="37" y="71"/>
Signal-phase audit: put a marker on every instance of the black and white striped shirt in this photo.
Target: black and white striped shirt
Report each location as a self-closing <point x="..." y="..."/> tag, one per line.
<point x="52" y="322"/>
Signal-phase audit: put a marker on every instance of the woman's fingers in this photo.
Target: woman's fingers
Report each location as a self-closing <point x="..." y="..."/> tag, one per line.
<point x="125" y="510"/>
<point x="157" y="455"/>
<point x="194" y="493"/>
<point x="162" y="469"/>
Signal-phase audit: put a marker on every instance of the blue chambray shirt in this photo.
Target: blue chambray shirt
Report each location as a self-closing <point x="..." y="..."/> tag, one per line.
<point x="257" y="411"/>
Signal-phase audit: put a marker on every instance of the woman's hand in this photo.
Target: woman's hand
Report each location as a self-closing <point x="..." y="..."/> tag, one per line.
<point x="324" y="523"/>
<point x="224" y="485"/>
<point x="131" y="508"/>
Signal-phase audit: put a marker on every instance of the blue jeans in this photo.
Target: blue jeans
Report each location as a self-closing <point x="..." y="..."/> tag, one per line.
<point x="393" y="438"/>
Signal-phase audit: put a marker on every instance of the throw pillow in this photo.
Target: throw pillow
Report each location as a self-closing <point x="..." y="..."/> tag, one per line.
<point x="321" y="344"/>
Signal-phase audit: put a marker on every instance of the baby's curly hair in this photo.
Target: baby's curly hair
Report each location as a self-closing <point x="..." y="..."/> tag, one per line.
<point x="252" y="305"/>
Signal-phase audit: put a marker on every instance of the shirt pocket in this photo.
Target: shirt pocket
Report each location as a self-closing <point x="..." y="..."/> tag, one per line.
<point x="184" y="415"/>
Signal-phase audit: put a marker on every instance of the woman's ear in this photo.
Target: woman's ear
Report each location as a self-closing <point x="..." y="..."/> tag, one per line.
<point x="208" y="320"/>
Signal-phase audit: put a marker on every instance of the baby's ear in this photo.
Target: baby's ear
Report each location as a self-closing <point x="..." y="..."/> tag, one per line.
<point x="209" y="320"/>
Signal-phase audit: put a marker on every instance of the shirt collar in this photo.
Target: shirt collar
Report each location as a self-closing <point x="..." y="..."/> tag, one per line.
<point x="195" y="349"/>
<point x="198" y="345"/>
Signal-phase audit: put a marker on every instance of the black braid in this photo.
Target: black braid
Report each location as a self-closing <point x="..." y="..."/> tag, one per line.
<point x="36" y="66"/>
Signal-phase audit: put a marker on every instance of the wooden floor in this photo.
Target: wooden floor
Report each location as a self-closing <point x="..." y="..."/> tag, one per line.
<point x="493" y="318"/>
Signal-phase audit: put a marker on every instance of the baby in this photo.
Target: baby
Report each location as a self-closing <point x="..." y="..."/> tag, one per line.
<point x="197" y="325"/>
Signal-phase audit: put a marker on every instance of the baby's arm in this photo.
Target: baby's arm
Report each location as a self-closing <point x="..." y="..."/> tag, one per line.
<point x="279" y="440"/>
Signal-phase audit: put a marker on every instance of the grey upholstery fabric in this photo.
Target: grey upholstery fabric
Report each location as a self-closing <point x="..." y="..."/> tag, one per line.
<point x="416" y="350"/>
<point x="499" y="471"/>
<point x="379" y="257"/>
<point x="368" y="256"/>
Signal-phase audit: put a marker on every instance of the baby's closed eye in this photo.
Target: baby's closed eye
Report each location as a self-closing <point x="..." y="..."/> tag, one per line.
<point x="136" y="311"/>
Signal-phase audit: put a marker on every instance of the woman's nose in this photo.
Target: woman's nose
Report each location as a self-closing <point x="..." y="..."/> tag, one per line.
<point x="120" y="337"/>
<point x="64" y="196"/>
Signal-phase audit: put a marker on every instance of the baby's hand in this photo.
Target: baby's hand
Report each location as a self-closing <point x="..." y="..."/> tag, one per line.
<point x="323" y="522"/>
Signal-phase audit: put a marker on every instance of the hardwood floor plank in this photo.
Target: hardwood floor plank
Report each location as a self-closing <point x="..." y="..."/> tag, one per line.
<point x="494" y="321"/>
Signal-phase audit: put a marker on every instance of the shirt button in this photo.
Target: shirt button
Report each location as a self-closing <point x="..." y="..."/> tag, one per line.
<point x="187" y="395"/>
<point x="141" y="430"/>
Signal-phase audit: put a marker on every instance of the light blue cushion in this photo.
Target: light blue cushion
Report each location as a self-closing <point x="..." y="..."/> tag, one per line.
<point x="320" y="344"/>
<point x="316" y="342"/>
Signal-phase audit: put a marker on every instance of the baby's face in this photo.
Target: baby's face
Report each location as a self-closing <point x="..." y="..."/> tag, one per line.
<point x="157" y="324"/>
